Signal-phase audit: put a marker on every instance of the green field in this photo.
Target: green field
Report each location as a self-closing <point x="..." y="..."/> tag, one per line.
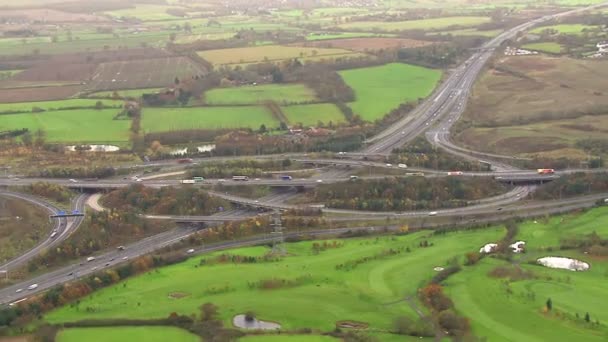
<point x="125" y="93"/>
<point x="380" y="89"/>
<point x="54" y="105"/>
<point x="423" y="24"/>
<point x="71" y="126"/>
<point x="173" y="119"/>
<point x="271" y="53"/>
<point x="126" y="334"/>
<point x="326" y="295"/>
<point x="576" y="29"/>
<point x="518" y="316"/>
<point x="280" y="93"/>
<point x="548" y="47"/>
<point x="310" y="115"/>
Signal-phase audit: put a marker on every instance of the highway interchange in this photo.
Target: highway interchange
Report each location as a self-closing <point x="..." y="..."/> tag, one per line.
<point x="434" y="118"/>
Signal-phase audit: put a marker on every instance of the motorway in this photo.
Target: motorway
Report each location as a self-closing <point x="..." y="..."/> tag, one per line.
<point x="444" y="106"/>
<point x="115" y="257"/>
<point x="451" y="96"/>
<point x="63" y="226"/>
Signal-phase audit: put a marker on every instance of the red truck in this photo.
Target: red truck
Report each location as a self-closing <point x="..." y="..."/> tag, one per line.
<point x="545" y="171"/>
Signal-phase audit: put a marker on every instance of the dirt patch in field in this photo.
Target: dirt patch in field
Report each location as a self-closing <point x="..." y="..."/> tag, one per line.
<point x="363" y="44"/>
<point x="351" y="325"/>
<point x="38" y="93"/>
<point x="178" y="295"/>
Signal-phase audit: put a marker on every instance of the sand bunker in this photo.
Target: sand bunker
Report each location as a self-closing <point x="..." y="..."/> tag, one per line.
<point x="178" y="295"/>
<point x="563" y="263"/>
<point x="488" y="248"/>
<point x="518" y="246"/>
<point x="94" y="148"/>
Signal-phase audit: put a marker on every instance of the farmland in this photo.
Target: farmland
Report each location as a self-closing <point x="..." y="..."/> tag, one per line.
<point x="283" y="94"/>
<point x="576" y="29"/>
<point x="311" y="114"/>
<point x="147" y="73"/>
<point x="509" y="107"/>
<point x="124" y="92"/>
<point x="378" y="90"/>
<point x="172" y="119"/>
<point x="71" y="126"/>
<point x="55" y="105"/>
<point x="423" y="24"/>
<point x="548" y="47"/>
<point x="354" y="294"/>
<point x="151" y="334"/>
<point x="271" y="53"/>
<point x="364" y="44"/>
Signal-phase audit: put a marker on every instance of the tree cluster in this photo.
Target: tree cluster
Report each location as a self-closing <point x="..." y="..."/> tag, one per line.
<point x="573" y="185"/>
<point x="420" y="153"/>
<point x="410" y="193"/>
<point x="165" y="201"/>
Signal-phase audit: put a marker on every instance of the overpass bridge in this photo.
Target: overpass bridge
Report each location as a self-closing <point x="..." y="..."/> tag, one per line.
<point x="526" y="179"/>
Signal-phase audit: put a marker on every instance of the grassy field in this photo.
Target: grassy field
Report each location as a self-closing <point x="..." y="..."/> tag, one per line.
<point x="258" y="54"/>
<point x="22" y="225"/>
<point x="423" y="24"/>
<point x="125" y="93"/>
<point x="280" y="93"/>
<point x="548" y="47"/>
<point x="71" y="126"/>
<point x="380" y="89"/>
<point x="310" y="115"/>
<point x="120" y="334"/>
<point x="536" y="104"/>
<point x="170" y="119"/>
<point x="54" y="105"/>
<point x="323" y="296"/>
<point x="517" y="315"/>
<point x="576" y="29"/>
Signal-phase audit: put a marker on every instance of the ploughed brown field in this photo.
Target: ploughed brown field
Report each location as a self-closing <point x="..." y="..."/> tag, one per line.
<point x="363" y="44"/>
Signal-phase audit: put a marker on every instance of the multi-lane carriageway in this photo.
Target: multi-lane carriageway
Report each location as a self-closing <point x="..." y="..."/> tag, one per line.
<point x="444" y="107"/>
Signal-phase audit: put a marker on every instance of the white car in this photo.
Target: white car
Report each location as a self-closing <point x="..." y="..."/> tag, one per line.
<point x="319" y="181"/>
<point x="125" y="258"/>
<point x="139" y="180"/>
<point x="190" y="251"/>
<point x="389" y="165"/>
<point x="73" y="180"/>
<point x="19" y="290"/>
<point x="89" y="259"/>
<point x="32" y="287"/>
<point x="402" y="166"/>
<point x="433" y="213"/>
